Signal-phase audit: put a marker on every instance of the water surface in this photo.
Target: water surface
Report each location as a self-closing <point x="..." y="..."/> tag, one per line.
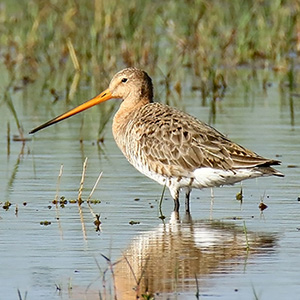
<point x="173" y="258"/>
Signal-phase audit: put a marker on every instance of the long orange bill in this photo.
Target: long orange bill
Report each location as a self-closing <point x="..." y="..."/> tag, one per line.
<point x="105" y="95"/>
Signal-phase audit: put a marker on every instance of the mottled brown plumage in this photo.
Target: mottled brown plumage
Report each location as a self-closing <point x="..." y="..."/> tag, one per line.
<point x="176" y="140"/>
<point x="170" y="146"/>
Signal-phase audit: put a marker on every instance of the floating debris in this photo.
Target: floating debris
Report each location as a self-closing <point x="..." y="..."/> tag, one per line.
<point x="63" y="200"/>
<point x="234" y="218"/>
<point x="262" y="206"/>
<point x="239" y="196"/>
<point x="97" y="222"/>
<point x="94" y="201"/>
<point x="134" y="222"/>
<point x="45" y="223"/>
<point x="6" y="205"/>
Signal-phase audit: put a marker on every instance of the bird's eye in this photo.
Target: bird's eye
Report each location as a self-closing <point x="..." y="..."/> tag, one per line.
<point x="124" y="80"/>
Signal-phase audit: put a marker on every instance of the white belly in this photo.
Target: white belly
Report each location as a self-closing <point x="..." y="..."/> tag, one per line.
<point x="200" y="178"/>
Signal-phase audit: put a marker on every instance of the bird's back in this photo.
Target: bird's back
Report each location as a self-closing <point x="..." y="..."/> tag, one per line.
<point x="174" y="144"/>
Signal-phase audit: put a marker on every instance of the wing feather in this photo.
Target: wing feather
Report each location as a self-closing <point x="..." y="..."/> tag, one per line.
<point x="177" y="143"/>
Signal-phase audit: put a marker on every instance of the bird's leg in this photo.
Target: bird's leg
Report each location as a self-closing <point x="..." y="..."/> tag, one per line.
<point x="176" y="201"/>
<point x="187" y="200"/>
<point x="188" y="217"/>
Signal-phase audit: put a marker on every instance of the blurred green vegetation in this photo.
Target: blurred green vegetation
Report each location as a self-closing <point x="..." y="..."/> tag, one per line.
<point x="71" y="43"/>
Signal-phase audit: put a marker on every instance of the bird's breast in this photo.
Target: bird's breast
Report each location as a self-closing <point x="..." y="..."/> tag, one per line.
<point x="125" y="134"/>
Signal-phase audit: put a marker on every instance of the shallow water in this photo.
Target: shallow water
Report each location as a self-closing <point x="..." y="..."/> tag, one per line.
<point x="173" y="259"/>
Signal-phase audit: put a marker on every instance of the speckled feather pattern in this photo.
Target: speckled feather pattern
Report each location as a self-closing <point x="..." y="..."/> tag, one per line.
<point x="178" y="143"/>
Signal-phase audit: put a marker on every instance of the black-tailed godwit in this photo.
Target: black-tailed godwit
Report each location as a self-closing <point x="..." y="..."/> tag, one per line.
<point x="170" y="146"/>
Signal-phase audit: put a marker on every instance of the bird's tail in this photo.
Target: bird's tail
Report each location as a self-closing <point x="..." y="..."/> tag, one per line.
<point x="269" y="171"/>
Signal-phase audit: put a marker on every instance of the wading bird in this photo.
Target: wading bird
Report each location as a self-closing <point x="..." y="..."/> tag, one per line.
<point x="170" y="146"/>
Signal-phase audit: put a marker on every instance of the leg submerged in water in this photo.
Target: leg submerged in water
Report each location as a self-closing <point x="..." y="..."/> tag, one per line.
<point x="175" y="196"/>
<point x="187" y="200"/>
<point x="176" y="201"/>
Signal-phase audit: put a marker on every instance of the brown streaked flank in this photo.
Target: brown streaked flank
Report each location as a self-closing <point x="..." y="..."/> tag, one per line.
<point x="170" y="146"/>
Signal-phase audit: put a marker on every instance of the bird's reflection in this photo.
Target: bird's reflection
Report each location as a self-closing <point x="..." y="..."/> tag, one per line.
<point x="179" y="255"/>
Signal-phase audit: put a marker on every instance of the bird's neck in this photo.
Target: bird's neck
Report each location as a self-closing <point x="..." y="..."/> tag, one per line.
<point x="123" y="117"/>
